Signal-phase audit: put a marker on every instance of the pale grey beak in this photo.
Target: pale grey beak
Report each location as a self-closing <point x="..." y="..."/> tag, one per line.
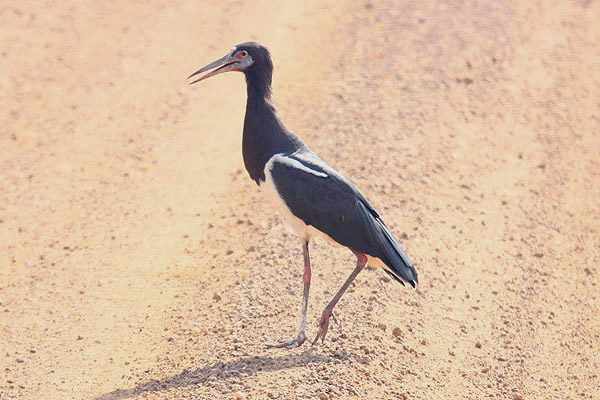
<point x="224" y="64"/>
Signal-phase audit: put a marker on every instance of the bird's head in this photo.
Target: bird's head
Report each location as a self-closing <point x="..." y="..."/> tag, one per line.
<point x="251" y="58"/>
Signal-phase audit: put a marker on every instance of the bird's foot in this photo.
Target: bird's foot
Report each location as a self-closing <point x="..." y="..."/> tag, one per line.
<point x="324" y="325"/>
<point x="291" y="344"/>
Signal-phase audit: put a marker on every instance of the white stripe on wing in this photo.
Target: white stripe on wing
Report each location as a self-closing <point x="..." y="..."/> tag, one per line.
<point x="295" y="164"/>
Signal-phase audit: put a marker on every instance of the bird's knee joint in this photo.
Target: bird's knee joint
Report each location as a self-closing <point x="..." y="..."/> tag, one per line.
<point x="306" y="277"/>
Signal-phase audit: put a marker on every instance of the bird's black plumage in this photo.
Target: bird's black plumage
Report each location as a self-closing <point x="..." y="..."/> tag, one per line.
<point x="311" y="195"/>
<point x="264" y="133"/>
<point x="331" y="204"/>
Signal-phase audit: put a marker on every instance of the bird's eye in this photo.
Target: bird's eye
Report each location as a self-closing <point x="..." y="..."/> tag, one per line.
<point x="242" y="54"/>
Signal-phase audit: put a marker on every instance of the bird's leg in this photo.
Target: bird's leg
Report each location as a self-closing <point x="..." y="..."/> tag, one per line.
<point x="306" y="279"/>
<point x="361" y="261"/>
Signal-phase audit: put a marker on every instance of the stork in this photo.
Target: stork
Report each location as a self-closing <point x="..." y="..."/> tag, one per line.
<point x="313" y="198"/>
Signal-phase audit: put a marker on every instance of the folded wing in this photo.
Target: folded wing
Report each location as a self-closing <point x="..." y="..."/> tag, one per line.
<point x="322" y="198"/>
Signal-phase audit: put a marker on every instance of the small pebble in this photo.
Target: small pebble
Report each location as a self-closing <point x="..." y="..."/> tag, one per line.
<point x="397" y="332"/>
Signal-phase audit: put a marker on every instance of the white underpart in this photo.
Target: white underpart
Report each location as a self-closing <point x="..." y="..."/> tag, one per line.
<point x="304" y="232"/>
<point x="376" y="262"/>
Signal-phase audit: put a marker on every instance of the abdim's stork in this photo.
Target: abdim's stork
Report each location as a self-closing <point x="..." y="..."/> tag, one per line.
<point x="314" y="198"/>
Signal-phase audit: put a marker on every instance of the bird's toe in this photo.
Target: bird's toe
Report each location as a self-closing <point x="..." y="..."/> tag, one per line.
<point x="290" y="344"/>
<point x="323" y="326"/>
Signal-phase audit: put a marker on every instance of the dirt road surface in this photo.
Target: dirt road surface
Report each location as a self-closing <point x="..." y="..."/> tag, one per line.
<point x="137" y="260"/>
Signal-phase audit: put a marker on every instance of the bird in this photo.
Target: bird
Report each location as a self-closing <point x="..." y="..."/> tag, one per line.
<point x="314" y="199"/>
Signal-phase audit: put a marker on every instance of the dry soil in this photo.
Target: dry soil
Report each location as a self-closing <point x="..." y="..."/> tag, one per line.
<point x="137" y="260"/>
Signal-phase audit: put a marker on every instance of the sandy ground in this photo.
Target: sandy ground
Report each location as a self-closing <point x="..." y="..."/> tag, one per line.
<point x="137" y="260"/>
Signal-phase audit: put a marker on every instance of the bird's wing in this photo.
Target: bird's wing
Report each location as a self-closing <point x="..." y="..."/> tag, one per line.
<point x="321" y="197"/>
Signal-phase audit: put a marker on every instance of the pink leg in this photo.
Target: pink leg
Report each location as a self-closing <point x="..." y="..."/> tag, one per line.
<point x="301" y="337"/>
<point x="361" y="261"/>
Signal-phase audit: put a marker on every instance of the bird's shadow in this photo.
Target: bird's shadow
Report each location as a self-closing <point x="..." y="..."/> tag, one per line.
<point x="219" y="370"/>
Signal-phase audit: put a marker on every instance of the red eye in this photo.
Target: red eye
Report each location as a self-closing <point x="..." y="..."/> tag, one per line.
<point x="241" y="54"/>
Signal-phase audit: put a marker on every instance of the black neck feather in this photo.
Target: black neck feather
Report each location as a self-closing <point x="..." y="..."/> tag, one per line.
<point x="264" y="134"/>
<point x="259" y="82"/>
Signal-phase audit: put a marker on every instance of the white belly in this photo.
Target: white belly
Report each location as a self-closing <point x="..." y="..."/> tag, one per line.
<point x="271" y="193"/>
<point x="304" y="232"/>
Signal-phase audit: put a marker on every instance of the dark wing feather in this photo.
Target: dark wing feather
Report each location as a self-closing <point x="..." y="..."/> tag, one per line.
<point x="330" y="203"/>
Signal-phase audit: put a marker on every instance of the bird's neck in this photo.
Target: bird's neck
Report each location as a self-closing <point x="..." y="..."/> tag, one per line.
<point x="264" y="134"/>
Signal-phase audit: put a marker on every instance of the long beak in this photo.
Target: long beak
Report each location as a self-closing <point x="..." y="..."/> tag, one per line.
<point x="223" y="64"/>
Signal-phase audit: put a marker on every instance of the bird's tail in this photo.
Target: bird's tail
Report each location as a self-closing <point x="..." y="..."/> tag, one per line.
<point x="400" y="267"/>
<point x="395" y="259"/>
